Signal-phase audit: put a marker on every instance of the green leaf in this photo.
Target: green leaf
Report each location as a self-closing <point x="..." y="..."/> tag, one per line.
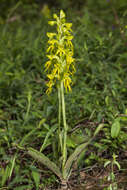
<point x="41" y="123"/>
<point x="100" y="126"/>
<point x="118" y="165"/>
<point x="27" y="136"/>
<point x="112" y="176"/>
<point x="45" y="161"/>
<point x="12" y="164"/>
<point x="50" y="132"/>
<point x="71" y="143"/>
<point x="5" y="175"/>
<point x="74" y="157"/>
<point x="31" y="132"/>
<point x="36" y="177"/>
<point x="77" y="152"/>
<point x="107" y="163"/>
<point x="115" y="129"/>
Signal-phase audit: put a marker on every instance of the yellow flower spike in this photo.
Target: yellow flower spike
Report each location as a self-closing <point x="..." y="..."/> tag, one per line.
<point x="60" y="53"/>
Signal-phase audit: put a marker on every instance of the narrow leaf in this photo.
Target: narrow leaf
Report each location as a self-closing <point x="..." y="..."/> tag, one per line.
<point x="12" y="164"/>
<point x="36" y="177"/>
<point x="50" y="132"/>
<point x="106" y="163"/>
<point x="100" y="126"/>
<point x="27" y="136"/>
<point x="31" y="132"/>
<point x="5" y="176"/>
<point x="118" y="165"/>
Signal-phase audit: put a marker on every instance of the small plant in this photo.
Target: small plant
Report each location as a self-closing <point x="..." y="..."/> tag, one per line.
<point x="111" y="178"/>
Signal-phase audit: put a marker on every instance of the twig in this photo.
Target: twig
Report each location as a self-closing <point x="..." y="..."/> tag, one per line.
<point x="82" y="124"/>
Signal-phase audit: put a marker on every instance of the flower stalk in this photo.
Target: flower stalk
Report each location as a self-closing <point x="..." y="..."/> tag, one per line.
<point x="65" y="127"/>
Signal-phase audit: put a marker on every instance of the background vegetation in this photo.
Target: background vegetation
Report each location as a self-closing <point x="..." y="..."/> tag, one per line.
<point x="99" y="92"/>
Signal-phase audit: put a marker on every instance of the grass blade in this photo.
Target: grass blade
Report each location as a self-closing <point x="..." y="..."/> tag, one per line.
<point x="36" y="176"/>
<point x="12" y="165"/>
<point x="50" y="132"/>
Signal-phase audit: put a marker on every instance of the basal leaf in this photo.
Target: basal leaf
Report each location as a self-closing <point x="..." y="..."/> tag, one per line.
<point x="45" y="161"/>
<point x="73" y="157"/>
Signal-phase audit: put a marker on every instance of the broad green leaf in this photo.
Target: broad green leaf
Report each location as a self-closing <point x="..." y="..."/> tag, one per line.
<point x="45" y="161"/>
<point x="115" y="129"/>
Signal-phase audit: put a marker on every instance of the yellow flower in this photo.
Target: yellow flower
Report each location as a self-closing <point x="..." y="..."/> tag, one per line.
<point x="60" y="65"/>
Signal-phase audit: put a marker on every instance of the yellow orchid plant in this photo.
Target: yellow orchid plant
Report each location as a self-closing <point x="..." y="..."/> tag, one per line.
<point x="60" y="67"/>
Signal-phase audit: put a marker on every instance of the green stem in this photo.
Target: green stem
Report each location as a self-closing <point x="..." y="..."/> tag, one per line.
<point x="59" y="119"/>
<point x="65" y="126"/>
